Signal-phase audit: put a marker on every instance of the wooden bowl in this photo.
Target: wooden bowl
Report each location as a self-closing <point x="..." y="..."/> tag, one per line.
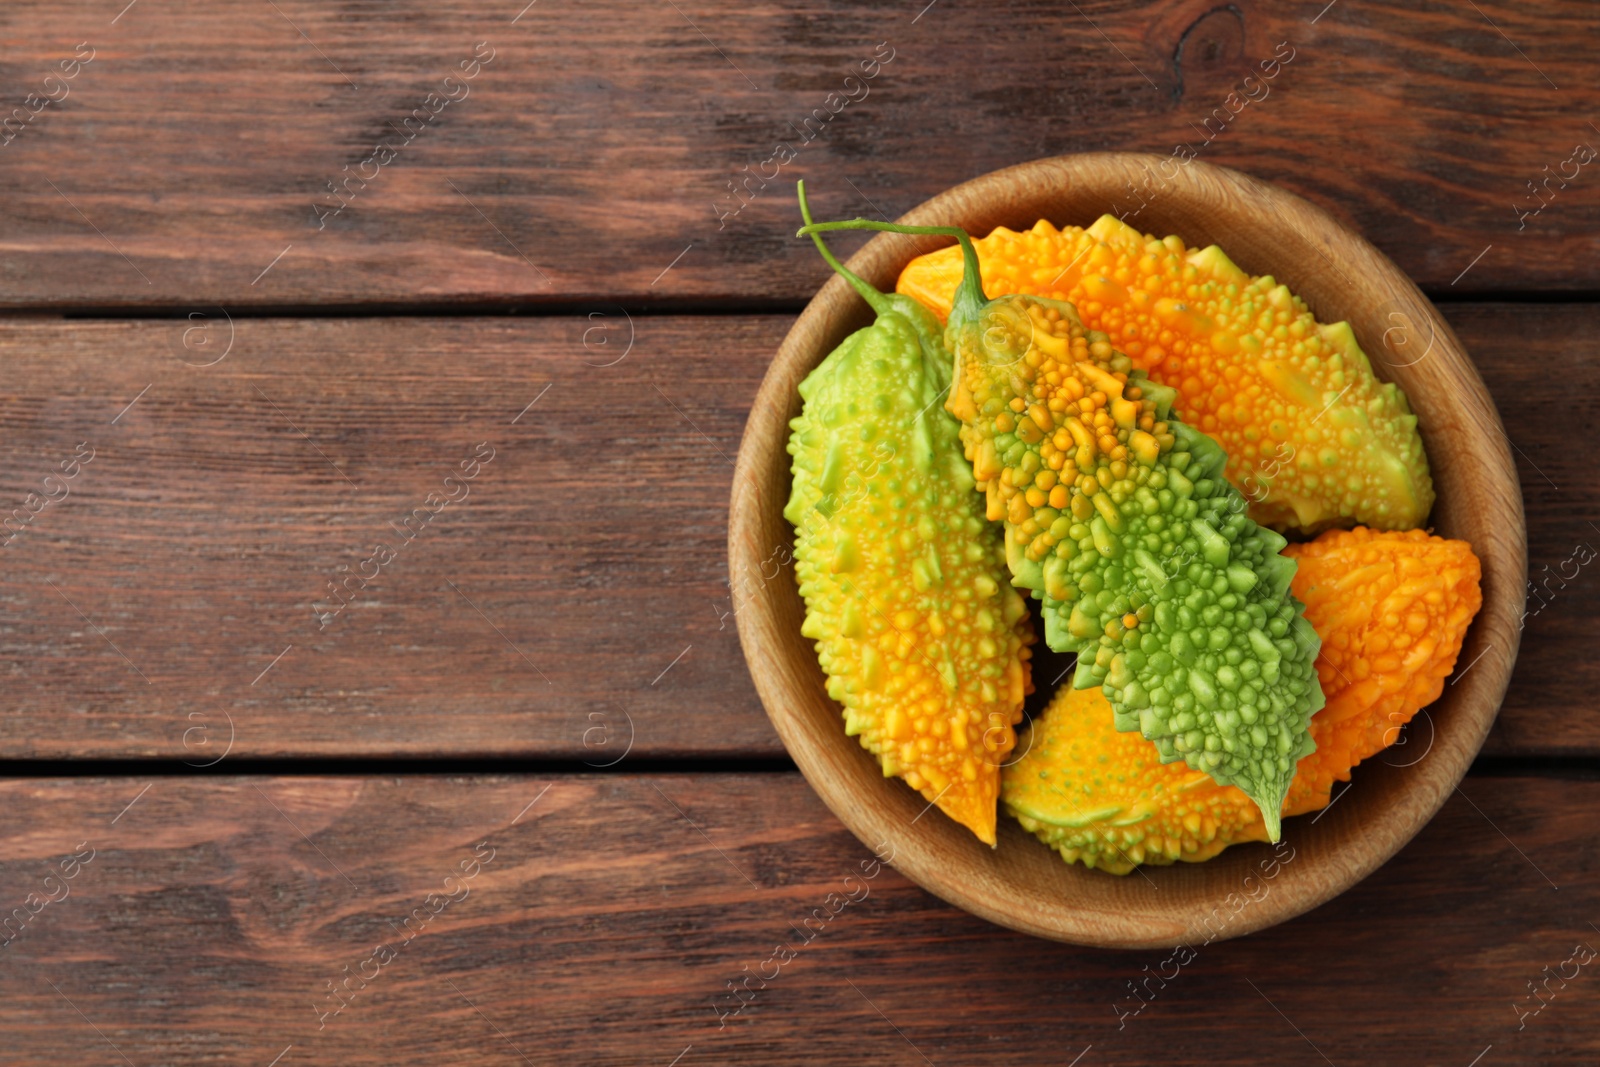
<point x="1022" y="884"/>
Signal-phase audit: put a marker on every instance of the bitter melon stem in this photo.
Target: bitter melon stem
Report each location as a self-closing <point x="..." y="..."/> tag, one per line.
<point x="969" y="296"/>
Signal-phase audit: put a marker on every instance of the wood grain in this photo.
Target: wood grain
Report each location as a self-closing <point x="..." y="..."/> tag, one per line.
<point x="580" y="583"/>
<point x="596" y="148"/>
<point x="1533" y="361"/>
<point x="205" y="526"/>
<point x="605" y="930"/>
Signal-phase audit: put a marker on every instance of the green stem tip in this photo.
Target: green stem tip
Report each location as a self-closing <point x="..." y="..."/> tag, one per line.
<point x="1273" y="820"/>
<point x="879" y="303"/>
<point x="969" y="296"/>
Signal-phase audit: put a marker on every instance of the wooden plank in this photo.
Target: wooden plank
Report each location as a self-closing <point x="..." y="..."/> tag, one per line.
<point x="189" y="161"/>
<point x="580" y="586"/>
<point x="576" y="584"/>
<point x="207" y="922"/>
<point x="1537" y="363"/>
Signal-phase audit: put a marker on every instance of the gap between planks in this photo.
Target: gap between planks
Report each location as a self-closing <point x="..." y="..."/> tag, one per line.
<point x="1583" y="768"/>
<point x="710" y="308"/>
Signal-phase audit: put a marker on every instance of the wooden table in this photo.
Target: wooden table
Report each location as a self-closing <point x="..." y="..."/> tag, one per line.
<point x="519" y="783"/>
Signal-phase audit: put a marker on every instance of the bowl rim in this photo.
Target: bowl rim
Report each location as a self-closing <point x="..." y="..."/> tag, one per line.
<point x="1478" y="471"/>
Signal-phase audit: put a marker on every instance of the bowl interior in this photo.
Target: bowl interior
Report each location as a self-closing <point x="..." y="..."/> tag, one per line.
<point x="1022" y="884"/>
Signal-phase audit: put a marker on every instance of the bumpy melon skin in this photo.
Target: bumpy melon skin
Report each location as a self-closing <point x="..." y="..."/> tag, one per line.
<point x="1393" y="610"/>
<point x="1313" y="438"/>
<point x="1118" y="518"/>
<point x="922" y="637"/>
<point x="1103" y="798"/>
